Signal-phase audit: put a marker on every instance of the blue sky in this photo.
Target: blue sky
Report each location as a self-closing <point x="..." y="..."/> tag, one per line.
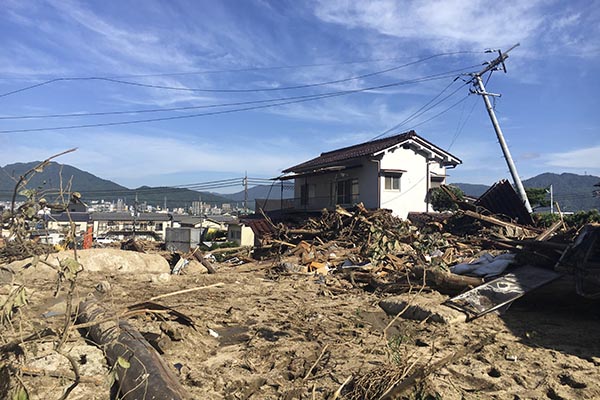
<point x="548" y="109"/>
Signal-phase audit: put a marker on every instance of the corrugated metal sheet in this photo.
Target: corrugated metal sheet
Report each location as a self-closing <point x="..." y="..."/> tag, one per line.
<point x="501" y="198"/>
<point x="260" y="227"/>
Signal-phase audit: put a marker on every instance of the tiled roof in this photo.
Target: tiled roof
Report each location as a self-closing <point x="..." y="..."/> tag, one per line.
<point x="359" y="150"/>
<point x="347" y="153"/>
<point x="260" y="227"/>
<point x="125" y="216"/>
<point x="66" y="217"/>
<point x="222" y="218"/>
<point x="187" y="219"/>
<point x="501" y="198"/>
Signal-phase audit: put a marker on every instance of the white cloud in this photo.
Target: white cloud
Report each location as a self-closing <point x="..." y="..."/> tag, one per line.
<point x="585" y="158"/>
<point x="139" y="45"/>
<point x="125" y="157"/>
<point x="444" y="24"/>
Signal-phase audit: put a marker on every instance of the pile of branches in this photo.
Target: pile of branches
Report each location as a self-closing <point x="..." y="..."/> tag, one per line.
<point x="375" y="250"/>
<point x="375" y="233"/>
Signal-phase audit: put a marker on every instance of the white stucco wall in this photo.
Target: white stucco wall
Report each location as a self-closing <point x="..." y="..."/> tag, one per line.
<point x="323" y="191"/>
<point x="240" y="234"/>
<point x="413" y="182"/>
<point x="411" y="197"/>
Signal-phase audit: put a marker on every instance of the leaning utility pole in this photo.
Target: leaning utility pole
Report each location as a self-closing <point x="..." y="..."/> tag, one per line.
<point x="246" y="192"/>
<point x="135" y="213"/>
<point x="480" y="90"/>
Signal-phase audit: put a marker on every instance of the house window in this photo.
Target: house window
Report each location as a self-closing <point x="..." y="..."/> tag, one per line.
<point x="392" y="182"/>
<point x="158" y="226"/>
<point x="347" y="191"/>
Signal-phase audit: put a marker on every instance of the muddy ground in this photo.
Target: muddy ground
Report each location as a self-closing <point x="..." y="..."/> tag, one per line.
<point x="271" y="336"/>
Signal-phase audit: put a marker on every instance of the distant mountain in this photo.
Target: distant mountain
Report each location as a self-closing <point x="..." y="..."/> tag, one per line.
<point x="94" y="188"/>
<point x="263" y="192"/>
<point x="49" y="178"/>
<point x="572" y="192"/>
<point x="471" y="189"/>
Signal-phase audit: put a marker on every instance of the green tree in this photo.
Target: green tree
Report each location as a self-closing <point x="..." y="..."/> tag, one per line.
<point x="538" y="197"/>
<point x="442" y="201"/>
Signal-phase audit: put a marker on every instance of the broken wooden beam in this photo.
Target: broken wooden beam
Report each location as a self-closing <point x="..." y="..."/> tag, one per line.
<point x="527" y="230"/>
<point x="205" y="262"/>
<point x="141" y="372"/>
<point x="548" y="232"/>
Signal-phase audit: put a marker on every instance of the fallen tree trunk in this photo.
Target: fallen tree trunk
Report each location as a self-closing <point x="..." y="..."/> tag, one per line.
<point x="141" y="372"/>
<point x="445" y="282"/>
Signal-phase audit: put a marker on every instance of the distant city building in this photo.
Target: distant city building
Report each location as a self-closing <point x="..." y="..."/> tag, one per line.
<point x="197" y="208"/>
<point x="121" y="206"/>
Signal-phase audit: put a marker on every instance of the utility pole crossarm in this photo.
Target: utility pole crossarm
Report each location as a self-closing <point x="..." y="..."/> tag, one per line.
<point x="499" y="60"/>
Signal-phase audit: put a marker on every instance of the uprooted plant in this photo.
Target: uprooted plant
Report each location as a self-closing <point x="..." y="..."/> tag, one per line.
<point x="18" y="326"/>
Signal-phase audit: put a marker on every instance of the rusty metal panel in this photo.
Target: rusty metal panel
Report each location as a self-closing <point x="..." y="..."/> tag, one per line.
<point x="501" y="198"/>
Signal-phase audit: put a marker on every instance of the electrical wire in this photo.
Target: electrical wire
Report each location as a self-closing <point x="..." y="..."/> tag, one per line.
<point x="199" y="186"/>
<point x="104" y="113"/>
<point x="461" y="127"/>
<point x="178" y="117"/>
<point x="440" y="113"/>
<point x="204" y="90"/>
<point x="421" y="110"/>
<point x="251" y="69"/>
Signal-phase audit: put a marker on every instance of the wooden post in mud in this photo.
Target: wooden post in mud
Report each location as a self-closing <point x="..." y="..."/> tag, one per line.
<point x="141" y="372"/>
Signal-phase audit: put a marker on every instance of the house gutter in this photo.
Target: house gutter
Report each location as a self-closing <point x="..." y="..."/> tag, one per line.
<point x="378" y="182"/>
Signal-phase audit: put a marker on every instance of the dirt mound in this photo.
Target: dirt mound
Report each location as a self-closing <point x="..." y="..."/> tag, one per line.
<point x="96" y="260"/>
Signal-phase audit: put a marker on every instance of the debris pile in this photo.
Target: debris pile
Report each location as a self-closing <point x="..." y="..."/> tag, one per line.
<point x="378" y="251"/>
<point x="280" y="337"/>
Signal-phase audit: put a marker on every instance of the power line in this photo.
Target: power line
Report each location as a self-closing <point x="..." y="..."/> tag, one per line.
<point x="314" y="97"/>
<point x="249" y="69"/>
<point x="461" y="127"/>
<point x="441" y="112"/>
<point x="104" y="113"/>
<point x="204" y="90"/>
<point x="421" y="110"/>
<point x="199" y="186"/>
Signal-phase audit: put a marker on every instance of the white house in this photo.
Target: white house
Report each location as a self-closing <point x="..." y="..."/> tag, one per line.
<point x="240" y="234"/>
<point x="395" y="172"/>
<point x="250" y="232"/>
<point x="123" y="224"/>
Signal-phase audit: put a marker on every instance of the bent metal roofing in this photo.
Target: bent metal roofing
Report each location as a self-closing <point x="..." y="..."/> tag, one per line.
<point x="361" y="150"/>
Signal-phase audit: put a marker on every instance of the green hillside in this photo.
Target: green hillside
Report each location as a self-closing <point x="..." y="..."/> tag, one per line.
<point x="94" y="188"/>
<point x="572" y="192"/>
